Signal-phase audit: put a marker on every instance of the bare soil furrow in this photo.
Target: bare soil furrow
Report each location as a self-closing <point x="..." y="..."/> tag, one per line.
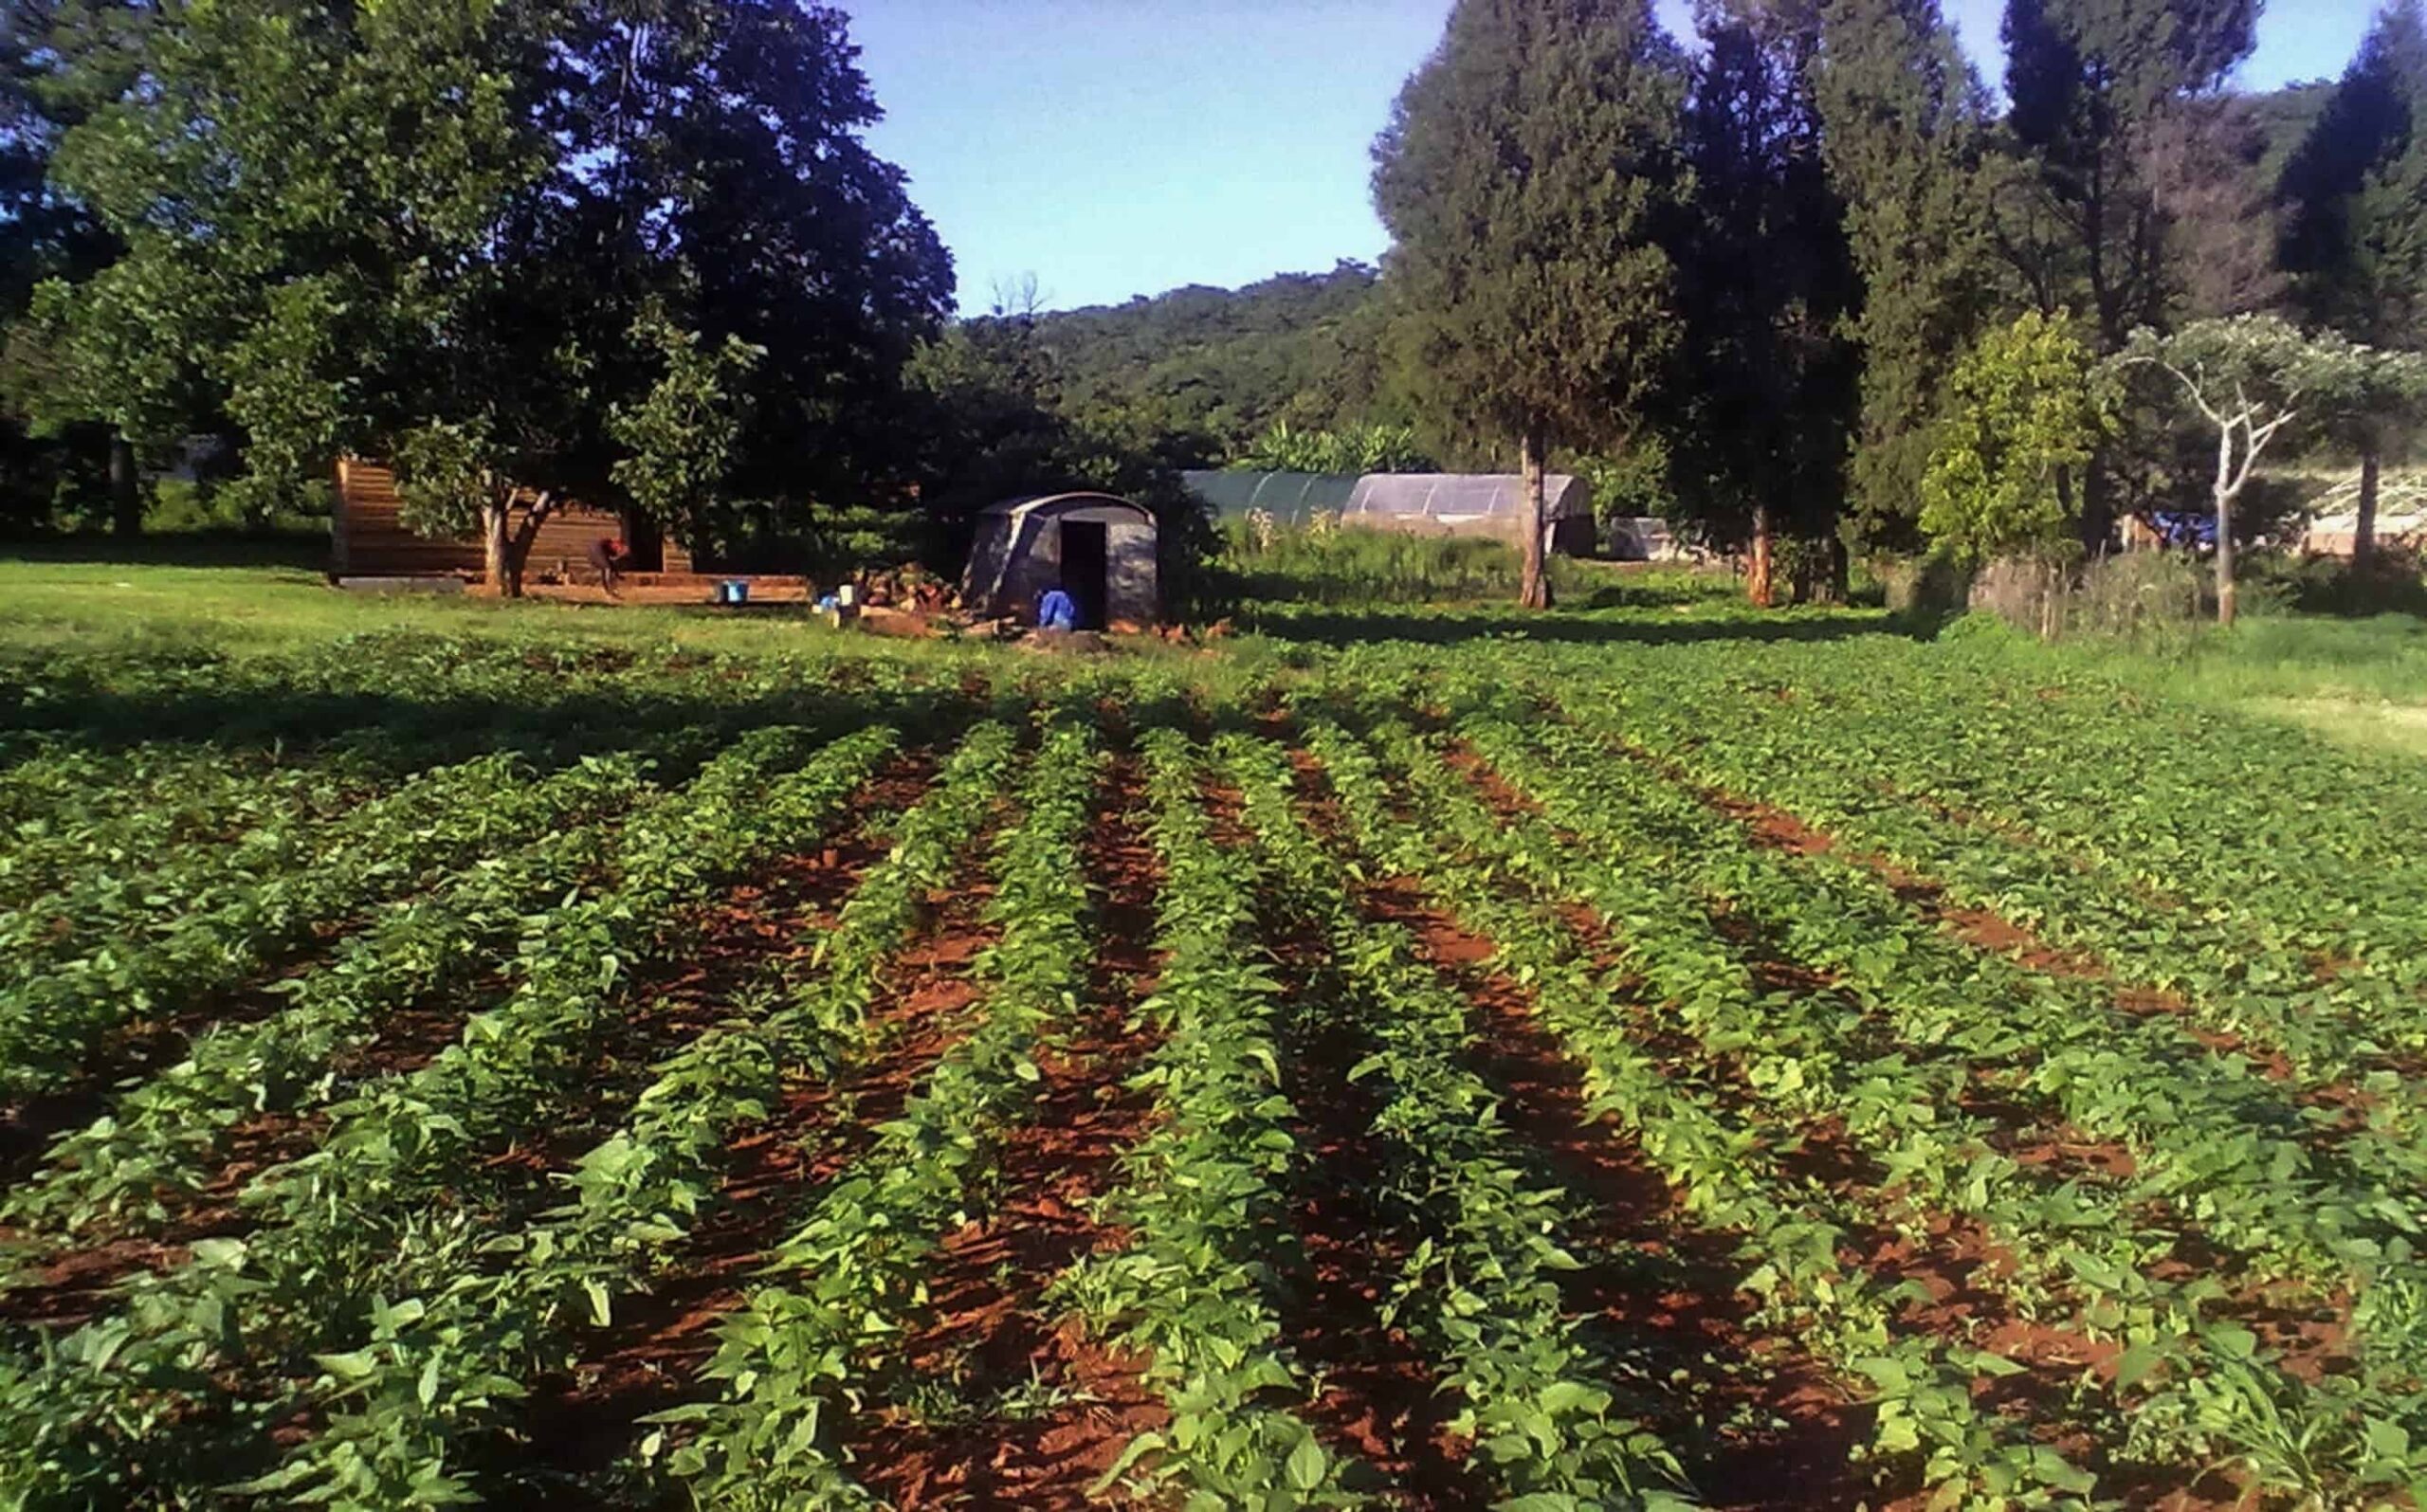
<point x="1015" y="1406"/>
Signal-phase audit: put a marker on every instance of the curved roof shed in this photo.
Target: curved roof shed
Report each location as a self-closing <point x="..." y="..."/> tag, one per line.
<point x="1100" y="548"/>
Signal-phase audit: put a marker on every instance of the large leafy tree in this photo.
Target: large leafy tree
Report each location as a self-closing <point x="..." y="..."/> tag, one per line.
<point x="2091" y="81"/>
<point x="1764" y="389"/>
<point x="1905" y="125"/>
<point x="2356" y="235"/>
<point x="52" y="449"/>
<point x="427" y="232"/>
<point x="1529" y="177"/>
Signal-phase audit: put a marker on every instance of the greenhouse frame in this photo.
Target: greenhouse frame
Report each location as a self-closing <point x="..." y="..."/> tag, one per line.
<point x="1441" y="504"/>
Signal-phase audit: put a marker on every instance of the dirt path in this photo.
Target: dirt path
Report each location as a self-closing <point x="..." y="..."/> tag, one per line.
<point x="1038" y="1412"/>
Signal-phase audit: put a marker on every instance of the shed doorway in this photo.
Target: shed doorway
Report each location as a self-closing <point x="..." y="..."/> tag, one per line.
<point x="1084" y="558"/>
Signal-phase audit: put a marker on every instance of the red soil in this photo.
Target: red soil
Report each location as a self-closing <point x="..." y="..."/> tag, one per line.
<point x="1699" y="1314"/>
<point x="648" y="1356"/>
<point x="989" y="1328"/>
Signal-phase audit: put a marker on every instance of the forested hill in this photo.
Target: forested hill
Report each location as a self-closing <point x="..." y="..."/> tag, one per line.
<point x="1218" y="366"/>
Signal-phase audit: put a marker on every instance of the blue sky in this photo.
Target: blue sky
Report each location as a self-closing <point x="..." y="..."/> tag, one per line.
<point x="1120" y="147"/>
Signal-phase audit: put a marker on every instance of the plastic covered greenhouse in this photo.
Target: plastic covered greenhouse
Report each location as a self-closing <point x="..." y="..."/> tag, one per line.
<point x="1448" y="504"/>
<point x="1290" y="498"/>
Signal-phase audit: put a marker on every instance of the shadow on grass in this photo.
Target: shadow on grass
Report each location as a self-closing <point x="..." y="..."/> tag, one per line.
<point x="399" y="733"/>
<point x="1342" y="627"/>
<point x="308" y="550"/>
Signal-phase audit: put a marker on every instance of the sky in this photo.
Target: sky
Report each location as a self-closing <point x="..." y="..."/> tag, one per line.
<point x="1113" y="148"/>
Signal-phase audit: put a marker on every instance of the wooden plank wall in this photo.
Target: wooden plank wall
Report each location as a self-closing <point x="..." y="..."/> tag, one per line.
<point x="367" y="540"/>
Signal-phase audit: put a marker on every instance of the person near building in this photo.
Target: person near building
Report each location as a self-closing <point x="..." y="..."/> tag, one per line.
<point x="607" y="555"/>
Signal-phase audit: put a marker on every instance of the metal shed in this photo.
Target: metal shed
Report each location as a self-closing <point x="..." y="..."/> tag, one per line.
<point x="1100" y="548"/>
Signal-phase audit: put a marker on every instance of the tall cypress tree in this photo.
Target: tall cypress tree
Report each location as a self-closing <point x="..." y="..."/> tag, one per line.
<point x="1905" y="123"/>
<point x="1765" y="392"/>
<point x="1528" y="176"/>
<point x="2089" y="79"/>
<point x="2356" y="230"/>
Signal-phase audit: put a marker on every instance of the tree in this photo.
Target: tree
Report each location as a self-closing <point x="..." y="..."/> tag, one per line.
<point x="2024" y="416"/>
<point x="42" y="235"/>
<point x="2203" y="162"/>
<point x="423" y="230"/>
<point x="1528" y="177"/>
<point x="1766" y="387"/>
<point x="1362" y="449"/>
<point x="681" y="438"/>
<point x="2356" y="232"/>
<point x="2080" y="223"/>
<point x="1905" y="125"/>
<point x="2249" y="378"/>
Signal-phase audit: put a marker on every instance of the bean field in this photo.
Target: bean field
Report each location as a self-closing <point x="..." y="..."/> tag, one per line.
<point x="1649" y="1063"/>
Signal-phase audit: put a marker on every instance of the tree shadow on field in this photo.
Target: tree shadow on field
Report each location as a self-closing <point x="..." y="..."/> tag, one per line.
<point x="305" y="549"/>
<point x="395" y="735"/>
<point x="1345" y="627"/>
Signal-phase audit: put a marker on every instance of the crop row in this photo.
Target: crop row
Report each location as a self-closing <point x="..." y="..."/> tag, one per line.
<point x="1211" y="1259"/>
<point x="173" y="808"/>
<point x="1898" y="1096"/>
<point x="2326" y="970"/>
<point x="186" y="1381"/>
<point x="163" y="1135"/>
<point x="51" y="1024"/>
<point x="825" y="1320"/>
<point x="1726" y="1168"/>
<point x="1479" y="1289"/>
<point x="2217" y="1126"/>
<point x="441" y="1371"/>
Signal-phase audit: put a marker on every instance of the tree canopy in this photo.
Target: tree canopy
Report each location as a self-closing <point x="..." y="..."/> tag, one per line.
<point x="427" y="232"/>
<point x="1527" y="177"/>
<point x="2005" y="462"/>
<point x="1905" y="123"/>
<point x="1763" y="403"/>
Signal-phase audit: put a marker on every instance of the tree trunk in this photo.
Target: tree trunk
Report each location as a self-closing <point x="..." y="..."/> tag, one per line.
<point x="2098" y="509"/>
<point x="126" y="489"/>
<point x="1758" y="584"/>
<point x="1841" y="571"/>
<point x="1533" y="588"/>
<point x="2225" y="529"/>
<point x="498" y="551"/>
<point x="2364" y="533"/>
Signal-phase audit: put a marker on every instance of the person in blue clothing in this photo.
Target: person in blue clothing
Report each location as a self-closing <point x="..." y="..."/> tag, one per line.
<point x="1055" y="611"/>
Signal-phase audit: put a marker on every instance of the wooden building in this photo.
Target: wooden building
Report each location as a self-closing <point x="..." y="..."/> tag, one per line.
<point x="367" y="538"/>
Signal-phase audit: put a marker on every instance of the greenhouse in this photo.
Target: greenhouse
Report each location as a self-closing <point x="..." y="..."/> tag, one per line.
<point x="1443" y="503"/>
<point x="1290" y="498"/>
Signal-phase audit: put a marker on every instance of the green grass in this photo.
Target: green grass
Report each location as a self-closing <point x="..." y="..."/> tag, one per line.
<point x="2361" y="682"/>
<point x="260" y="609"/>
